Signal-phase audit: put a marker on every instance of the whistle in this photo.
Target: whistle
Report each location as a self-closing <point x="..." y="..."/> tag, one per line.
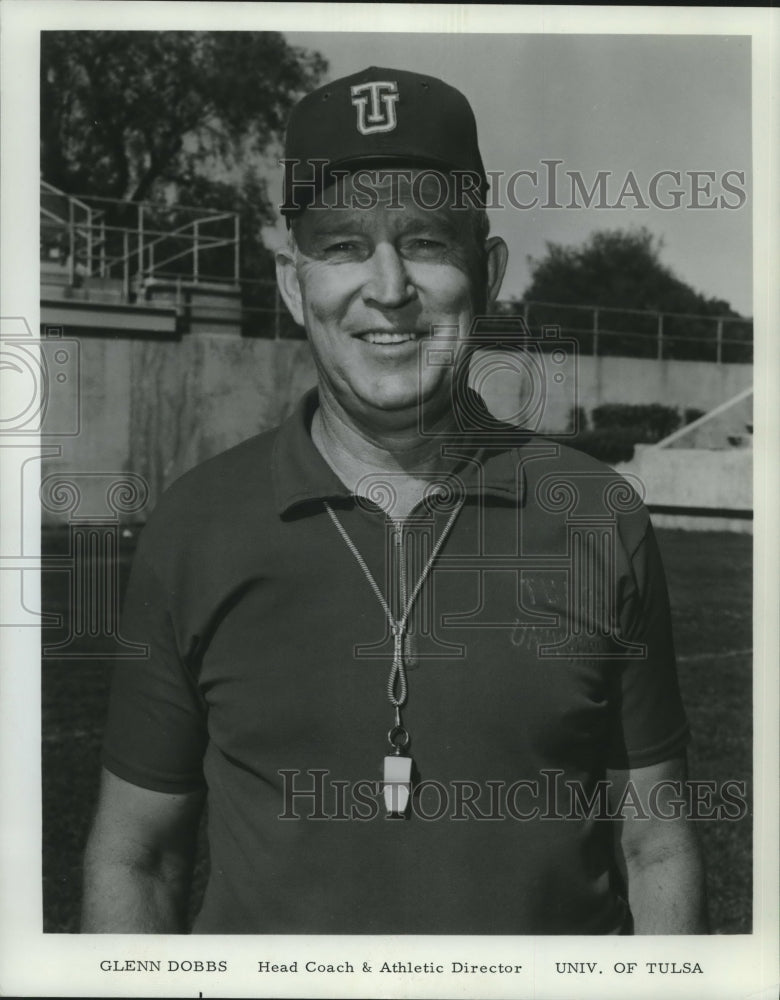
<point x="397" y="783"/>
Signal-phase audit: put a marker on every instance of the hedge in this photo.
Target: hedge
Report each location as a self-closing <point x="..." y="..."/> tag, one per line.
<point x="609" y="444"/>
<point x="649" y="422"/>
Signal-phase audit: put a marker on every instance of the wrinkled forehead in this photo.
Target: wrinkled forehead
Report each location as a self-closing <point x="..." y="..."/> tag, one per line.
<point x="430" y="187"/>
<point x="396" y="197"/>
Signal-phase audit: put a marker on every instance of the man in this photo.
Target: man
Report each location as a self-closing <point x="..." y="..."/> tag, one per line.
<point x="400" y="648"/>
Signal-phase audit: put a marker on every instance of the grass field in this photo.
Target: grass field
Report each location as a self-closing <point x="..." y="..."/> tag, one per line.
<point x="710" y="583"/>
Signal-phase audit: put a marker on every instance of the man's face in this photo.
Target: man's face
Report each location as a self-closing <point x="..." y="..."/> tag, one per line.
<point x="374" y="286"/>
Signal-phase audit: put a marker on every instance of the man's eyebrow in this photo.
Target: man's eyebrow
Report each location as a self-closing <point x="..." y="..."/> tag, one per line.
<point x="438" y="222"/>
<point x="331" y="222"/>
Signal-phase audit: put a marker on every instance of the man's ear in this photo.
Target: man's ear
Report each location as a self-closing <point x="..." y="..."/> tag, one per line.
<point x="497" y="256"/>
<point x="289" y="286"/>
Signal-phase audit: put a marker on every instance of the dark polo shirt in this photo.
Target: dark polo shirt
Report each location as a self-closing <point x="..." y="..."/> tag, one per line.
<point x="540" y="656"/>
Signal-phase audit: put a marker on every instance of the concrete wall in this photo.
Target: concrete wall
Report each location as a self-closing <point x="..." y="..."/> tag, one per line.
<point x="153" y="408"/>
<point x="156" y="408"/>
<point x="729" y="426"/>
<point x="542" y="390"/>
<point x="712" y="480"/>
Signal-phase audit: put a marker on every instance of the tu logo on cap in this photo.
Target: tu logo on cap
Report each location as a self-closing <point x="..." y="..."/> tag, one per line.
<point x="375" y="103"/>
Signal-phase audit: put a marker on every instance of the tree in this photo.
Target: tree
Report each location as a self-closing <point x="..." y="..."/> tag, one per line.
<point x="121" y="110"/>
<point x="172" y="117"/>
<point x="622" y="270"/>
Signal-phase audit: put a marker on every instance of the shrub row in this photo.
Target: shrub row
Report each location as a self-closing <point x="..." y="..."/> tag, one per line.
<point x="617" y="427"/>
<point x="610" y="444"/>
<point x="650" y="422"/>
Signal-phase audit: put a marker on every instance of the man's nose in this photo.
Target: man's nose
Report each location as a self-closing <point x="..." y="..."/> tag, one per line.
<point x="388" y="283"/>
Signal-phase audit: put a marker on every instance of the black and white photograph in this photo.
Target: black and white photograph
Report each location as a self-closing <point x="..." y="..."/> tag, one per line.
<point x="389" y="457"/>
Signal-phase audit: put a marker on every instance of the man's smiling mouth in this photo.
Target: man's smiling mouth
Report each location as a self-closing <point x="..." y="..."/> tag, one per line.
<point x="388" y="337"/>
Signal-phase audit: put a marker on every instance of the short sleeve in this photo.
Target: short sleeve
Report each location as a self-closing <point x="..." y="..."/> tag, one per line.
<point x="649" y="724"/>
<point x="156" y="729"/>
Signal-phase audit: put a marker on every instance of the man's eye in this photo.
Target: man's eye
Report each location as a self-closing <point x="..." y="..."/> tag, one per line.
<point x="425" y="246"/>
<point x="343" y="246"/>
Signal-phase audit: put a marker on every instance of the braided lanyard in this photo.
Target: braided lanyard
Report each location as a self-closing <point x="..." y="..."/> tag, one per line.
<point x="397" y="770"/>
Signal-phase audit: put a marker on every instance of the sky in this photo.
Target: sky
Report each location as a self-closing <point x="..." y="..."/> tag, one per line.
<point x="616" y="103"/>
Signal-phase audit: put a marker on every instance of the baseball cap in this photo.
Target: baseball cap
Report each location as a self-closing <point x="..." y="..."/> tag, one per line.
<point x="378" y="117"/>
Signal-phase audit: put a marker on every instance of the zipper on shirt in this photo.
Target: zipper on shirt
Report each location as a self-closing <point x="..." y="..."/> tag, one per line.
<point x="410" y="645"/>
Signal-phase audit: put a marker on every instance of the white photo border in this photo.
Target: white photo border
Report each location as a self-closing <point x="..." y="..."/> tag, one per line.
<point x="37" y="964"/>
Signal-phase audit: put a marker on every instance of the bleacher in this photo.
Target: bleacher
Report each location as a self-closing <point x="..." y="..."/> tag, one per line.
<point x="117" y="268"/>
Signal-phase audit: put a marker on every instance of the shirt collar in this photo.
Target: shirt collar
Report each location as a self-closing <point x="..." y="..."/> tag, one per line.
<point x="300" y="474"/>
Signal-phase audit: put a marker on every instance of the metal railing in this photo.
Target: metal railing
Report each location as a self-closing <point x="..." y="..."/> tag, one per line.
<point x="607" y="330"/>
<point x="597" y="330"/>
<point x="135" y="243"/>
<point x="70" y="225"/>
<point x="138" y="245"/>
